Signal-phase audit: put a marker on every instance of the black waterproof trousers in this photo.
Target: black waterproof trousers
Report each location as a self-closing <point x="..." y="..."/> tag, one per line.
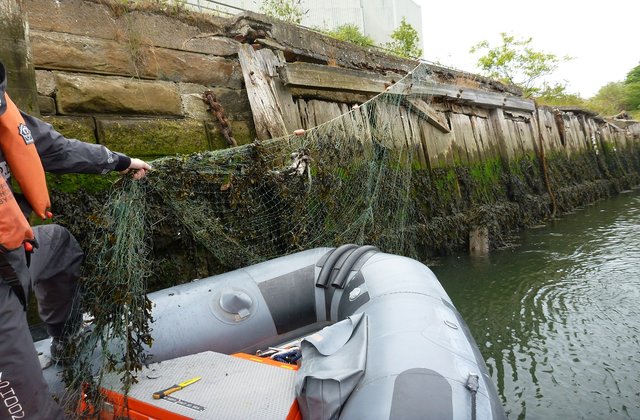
<point x="53" y="275"/>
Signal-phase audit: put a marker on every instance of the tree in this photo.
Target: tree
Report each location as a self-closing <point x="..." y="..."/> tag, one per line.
<point x="632" y="89"/>
<point x="287" y="10"/>
<point x="405" y="41"/>
<point x="351" y="33"/>
<point x="556" y="95"/>
<point x="611" y="99"/>
<point x="634" y="75"/>
<point x="516" y="62"/>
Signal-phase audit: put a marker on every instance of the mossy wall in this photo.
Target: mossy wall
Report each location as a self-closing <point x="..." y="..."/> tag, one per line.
<point x="507" y="170"/>
<point x="132" y="78"/>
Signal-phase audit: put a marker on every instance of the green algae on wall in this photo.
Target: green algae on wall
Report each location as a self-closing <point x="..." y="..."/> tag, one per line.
<point x="153" y="137"/>
<point x="243" y="133"/>
<point x="83" y="129"/>
<point x="484" y="181"/>
<point x="150" y="137"/>
<point x="71" y="183"/>
<point x="80" y="128"/>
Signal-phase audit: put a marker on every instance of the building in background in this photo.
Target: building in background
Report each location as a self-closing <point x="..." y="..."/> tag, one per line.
<point x="375" y="18"/>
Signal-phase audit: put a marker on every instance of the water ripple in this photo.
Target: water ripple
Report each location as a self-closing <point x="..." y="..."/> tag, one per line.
<point x="560" y="316"/>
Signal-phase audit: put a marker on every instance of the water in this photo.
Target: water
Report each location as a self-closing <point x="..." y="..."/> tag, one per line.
<point x="557" y="318"/>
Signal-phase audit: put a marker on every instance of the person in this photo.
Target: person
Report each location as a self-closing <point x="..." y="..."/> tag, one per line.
<point x="45" y="258"/>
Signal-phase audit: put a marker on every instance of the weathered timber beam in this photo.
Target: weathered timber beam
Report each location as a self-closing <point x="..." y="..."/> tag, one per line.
<point x="430" y="114"/>
<point x="267" y="111"/>
<point x="331" y="95"/>
<point x="473" y="96"/>
<point x="335" y="78"/>
<point x="577" y="110"/>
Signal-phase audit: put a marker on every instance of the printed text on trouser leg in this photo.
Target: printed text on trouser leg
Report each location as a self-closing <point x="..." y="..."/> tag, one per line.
<point x="10" y="400"/>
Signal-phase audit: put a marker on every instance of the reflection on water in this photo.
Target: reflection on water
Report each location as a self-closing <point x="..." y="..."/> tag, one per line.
<point x="558" y="318"/>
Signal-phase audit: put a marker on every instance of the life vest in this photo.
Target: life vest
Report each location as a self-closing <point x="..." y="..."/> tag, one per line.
<point x="20" y="152"/>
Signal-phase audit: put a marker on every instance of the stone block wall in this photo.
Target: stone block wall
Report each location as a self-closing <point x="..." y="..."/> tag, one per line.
<point x="15" y="54"/>
<point x="133" y="79"/>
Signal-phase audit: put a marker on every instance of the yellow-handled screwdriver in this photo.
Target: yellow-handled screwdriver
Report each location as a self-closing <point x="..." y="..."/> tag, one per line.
<point x="174" y="388"/>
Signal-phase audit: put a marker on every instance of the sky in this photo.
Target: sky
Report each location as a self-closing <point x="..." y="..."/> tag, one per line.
<point x="603" y="38"/>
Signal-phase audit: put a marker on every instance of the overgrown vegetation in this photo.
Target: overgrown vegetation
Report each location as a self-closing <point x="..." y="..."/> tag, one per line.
<point x="169" y="7"/>
<point x="351" y="33"/>
<point x="516" y="62"/>
<point x="620" y="98"/>
<point x="290" y="11"/>
<point x="557" y="95"/>
<point x="611" y="99"/>
<point x="405" y="41"/>
<point x="632" y="90"/>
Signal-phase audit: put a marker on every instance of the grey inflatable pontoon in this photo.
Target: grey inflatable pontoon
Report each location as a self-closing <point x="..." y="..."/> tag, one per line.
<point x="378" y="336"/>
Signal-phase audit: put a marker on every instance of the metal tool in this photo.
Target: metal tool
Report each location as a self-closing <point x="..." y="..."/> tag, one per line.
<point x="174" y="388"/>
<point x="184" y="403"/>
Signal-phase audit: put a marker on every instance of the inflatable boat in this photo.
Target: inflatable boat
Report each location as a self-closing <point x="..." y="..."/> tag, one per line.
<point x="347" y="332"/>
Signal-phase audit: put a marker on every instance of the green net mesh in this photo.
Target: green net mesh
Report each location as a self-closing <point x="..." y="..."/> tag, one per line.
<point x="348" y="180"/>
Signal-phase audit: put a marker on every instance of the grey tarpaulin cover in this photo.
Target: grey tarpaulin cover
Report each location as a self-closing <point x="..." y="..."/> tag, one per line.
<point x="333" y="360"/>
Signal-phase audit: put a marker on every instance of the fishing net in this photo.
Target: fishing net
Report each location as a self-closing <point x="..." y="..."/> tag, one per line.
<point x="348" y="180"/>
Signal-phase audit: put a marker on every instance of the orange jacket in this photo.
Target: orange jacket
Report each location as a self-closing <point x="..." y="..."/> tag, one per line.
<point x="16" y="143"/>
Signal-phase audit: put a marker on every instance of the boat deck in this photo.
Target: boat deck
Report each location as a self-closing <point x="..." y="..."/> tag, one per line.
<point x="230" y="388"/>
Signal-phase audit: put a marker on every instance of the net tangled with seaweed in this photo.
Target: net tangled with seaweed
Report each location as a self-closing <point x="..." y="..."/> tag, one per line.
<point x="345" y="181"/>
